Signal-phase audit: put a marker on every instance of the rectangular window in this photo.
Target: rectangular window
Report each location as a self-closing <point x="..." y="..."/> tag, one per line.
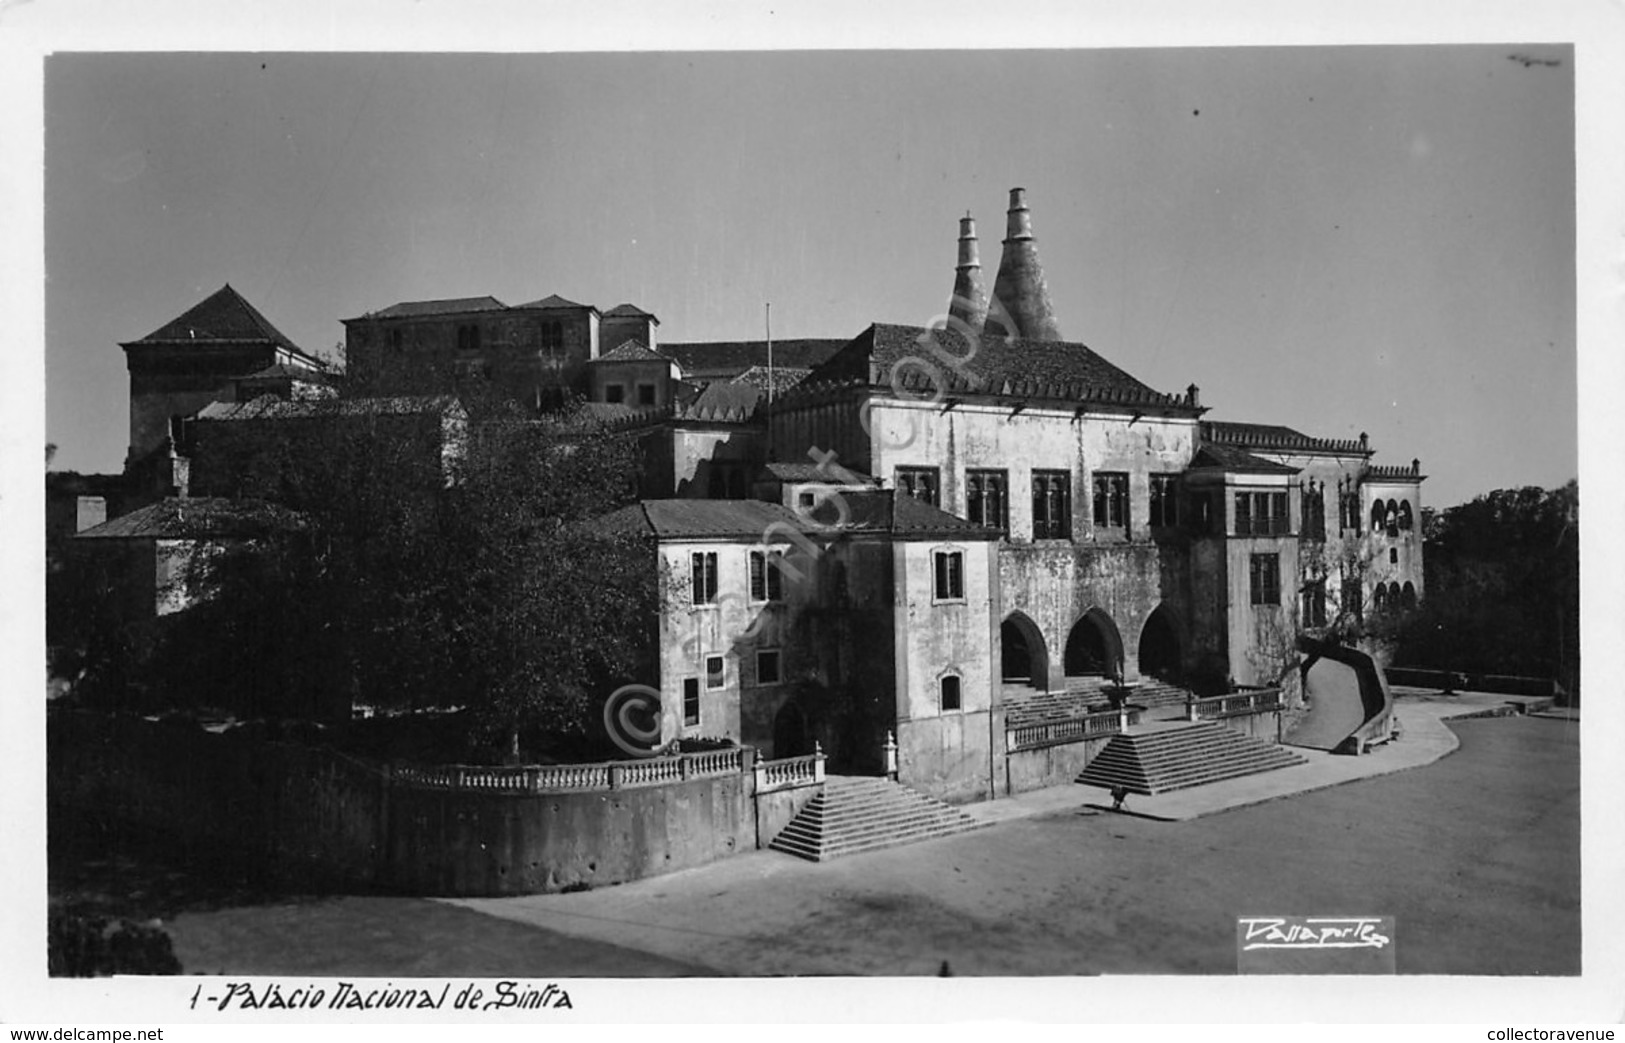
<point x="1280" y="519"/>
<point x="950" y="575"/>
<point x="1164" y="501"/>
<point x="767" y="666"/>
<point x="691" y="700"/>
<point x="1313" y="607"/>
<point x="395" y="339"/>
<point x="1264" y="579"/>
<point x="987" y="498"/>
<point x="646" y="394"/>
<point x="950" y="693"/>
<point x="1262" y="514"/>
<point x="766" y="579"/>
<point x="716" y="671"/>
<point x="614" y="393"/>
<point x="921" y="483"/>
<point x="1052" y="505"/>
<point x="704" y="569"/>
<point x="1314" y="513"/>
<point x="1111" y="501"/>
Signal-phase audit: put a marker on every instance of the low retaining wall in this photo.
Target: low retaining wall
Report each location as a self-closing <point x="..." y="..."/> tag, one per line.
<point x="1500" y="684"/>
<point x="325" y="819"/>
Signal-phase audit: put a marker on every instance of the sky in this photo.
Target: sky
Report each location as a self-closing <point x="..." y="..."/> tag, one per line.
<point x="1339" y="239"/>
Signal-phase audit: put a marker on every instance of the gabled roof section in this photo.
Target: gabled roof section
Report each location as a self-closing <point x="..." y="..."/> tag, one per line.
<point x="1005" y="367"/>
<point x="633" y="350"/>
<point x="270" y="407"/>
<point x="200" y="518"/>
<point x="728" y="358"/>
<point x="697" y="519"/>
<point x="630" y="311"/>
<point x="1277" y="438"/>
<point x="722" y="403"/>
<point x="811" y="472"/>
<point x="223" y="317"/>
<point x="783" y="378"/>
<point x="880" y="512"/>
<point x="448" y="306"/>
<point x="898" y="514"/>
<point x="283" y="371"/>
<point x="554" y="301"/>
<point x="1237" y="461"/>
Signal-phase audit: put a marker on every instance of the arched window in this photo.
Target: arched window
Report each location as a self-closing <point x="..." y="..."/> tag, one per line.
<point x="1407" y="595"/>
<point x="1379" y="597"/>
<point x="1391" y="518"/>
<point x="1405" y="517"/>
<point x="1376" y="516"/>
<point x="950" y="693"/>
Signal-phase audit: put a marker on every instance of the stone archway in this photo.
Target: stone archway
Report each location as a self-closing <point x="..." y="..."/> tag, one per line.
<point x="1094" y="648"/>
<point x="791" y="737"/>
<point x="1160" y="647"/>
<point x="1023" y="656"/>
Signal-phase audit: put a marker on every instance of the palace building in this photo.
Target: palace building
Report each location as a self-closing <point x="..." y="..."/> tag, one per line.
<point x="906" y="546"/>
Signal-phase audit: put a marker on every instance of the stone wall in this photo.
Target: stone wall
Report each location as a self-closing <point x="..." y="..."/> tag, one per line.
<point x="321" y="819"/>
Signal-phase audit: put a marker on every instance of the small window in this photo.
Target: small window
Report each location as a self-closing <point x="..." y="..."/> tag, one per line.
<point x="766" y="578"/>
<point x="704" y="575"/>
<point x="767" y="666"/>
<point x="921" y="483"/>
<point x="716" y="671"/>
<point x="395" y="339"/>
<point x="1164" y="501"/>
<point x="614" y="393"/>
<point x="646" y="394"/>
<point x="1393" y="555"/>
<point x="1313" y="608"/>
<point x="987" y="500"/>
<point x="1264" y="579"/>
<point x="807" y="501"/>
<point x="691" y="701"/>
<point x="950" y="575"/>
<point x="1111" y="501"/>
<point x="552" y="336"/>
<point x="1052" y="505"/>
<point x="950" y="693"/>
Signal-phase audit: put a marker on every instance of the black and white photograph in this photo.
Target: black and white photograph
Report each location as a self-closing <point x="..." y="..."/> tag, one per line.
<point x="774" y="501"/>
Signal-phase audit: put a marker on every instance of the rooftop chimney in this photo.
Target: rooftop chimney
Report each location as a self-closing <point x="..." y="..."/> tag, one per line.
<point x="969" y="304"/>
<point x="1020" y="288"/>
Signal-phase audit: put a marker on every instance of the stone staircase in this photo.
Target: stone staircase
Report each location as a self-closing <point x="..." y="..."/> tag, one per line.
<point x="856" y="813"/>
<point x="1180" y="757"/>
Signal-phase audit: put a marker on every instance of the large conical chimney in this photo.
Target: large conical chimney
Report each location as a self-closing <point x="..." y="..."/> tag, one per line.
<point x="1020" y="289"/>
<point x="969" y="304"/>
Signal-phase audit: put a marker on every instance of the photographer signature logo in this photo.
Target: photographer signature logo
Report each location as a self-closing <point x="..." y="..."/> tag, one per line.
<point x="1312" y="932"/>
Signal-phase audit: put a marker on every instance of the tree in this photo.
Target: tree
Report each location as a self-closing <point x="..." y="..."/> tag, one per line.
<point x="425" y="579"/>
<point x="1503" y="587"/>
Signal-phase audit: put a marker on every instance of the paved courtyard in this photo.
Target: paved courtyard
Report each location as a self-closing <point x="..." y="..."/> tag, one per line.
<point x="1476" y="856"/>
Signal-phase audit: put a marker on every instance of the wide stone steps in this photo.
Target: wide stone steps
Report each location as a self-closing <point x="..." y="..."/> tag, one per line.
<point x="866" y="814"/>
<point x="1079" y="698"/>
<point x="1179" y="758"/>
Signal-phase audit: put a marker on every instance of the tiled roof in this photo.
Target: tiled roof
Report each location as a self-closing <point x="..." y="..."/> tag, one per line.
<point x="632" y="351"/>
<point x="784" y="378"/>
<point x="1007" y="367"/>
<point x="732" y="357"/>
<point x="811" y="472"/>
<point x="1274" y="436"/>
<point x="553" y="300"/>
<point x="270" y="407"/>
<point x="678" y="519"/>
<point x="223" y="317"/>
<point x="630" y="311"/>
<point x="449" y="306"/>
<point x="282" y="371"/>
<point x="881" y="511"/>
<point x="895" y="512"/>
<point x="198" y="518"/>
<point x="722" y="403"/>
<point x="1230" y="458"/>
